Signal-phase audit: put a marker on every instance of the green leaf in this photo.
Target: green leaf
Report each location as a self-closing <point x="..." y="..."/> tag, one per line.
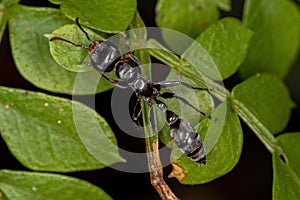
<point x="49" y="133"/>
<point x="200" y="61"/>
<point x="20" y="185"/>
<point x="223" y="145"/>
<point x="226" y="42"/>
<point x="286" y="181"/>
<point x="275" y="45"/>
<point x="4" y="5"/>
<point x="267" y="98"/>
<point x="27" y="26"/>
<point x="103" y="15"/>
<point x="66" y="55"/>
<point x="188" y="17"/>
<point x="289" y="142"/>
<point x="3" y="19"/>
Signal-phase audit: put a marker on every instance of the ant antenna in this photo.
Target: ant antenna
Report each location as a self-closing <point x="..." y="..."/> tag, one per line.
<point x="72" y="43"/>
<point x="86" y="34"/>
<point x="67" y="41"/>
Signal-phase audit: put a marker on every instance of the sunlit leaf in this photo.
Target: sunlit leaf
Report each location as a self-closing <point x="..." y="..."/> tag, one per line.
<point x="289" y="142"/>
<point x="187" y="17"/>
<point x="44" y="133"/>
<point x="3" y="20"/>
<point x="226" y="42"/>
<point x="18" y="185"/>
<point x="267" y="98"/>
<point x="286" y="179"/>
<point x="30" y="49"/>
<point x="275" y="44"/>
<point x="103" y="15"/>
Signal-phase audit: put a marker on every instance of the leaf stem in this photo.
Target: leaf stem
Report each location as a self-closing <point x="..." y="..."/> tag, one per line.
<point x="264" y="134"/>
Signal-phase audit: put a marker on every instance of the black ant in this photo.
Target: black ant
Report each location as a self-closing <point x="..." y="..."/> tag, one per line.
<point x="105" y="57"/>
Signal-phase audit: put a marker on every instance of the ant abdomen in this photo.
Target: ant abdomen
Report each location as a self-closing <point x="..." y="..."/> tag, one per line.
<point x="188" y="140"/>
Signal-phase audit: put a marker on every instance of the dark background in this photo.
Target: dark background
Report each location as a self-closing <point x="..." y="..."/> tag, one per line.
<point x="250" y="179"/>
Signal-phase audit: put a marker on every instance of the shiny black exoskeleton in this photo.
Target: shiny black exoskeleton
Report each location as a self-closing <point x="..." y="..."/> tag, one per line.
<point x="105" y="57"/>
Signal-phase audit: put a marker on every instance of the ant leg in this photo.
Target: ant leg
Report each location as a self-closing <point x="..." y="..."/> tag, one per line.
<point x="152" y="115"/>
<point x="87" y="63"/>
<point x="132" y="57"/>
<point x="129" y="56"/>
<point x="169" y="95"/>
<point x="153" y="122"/>
<point x="135" y="114"/>
<point x="113" y="81"/>
<point x="137" y="111"/>
<point x="176" y="83"/>
<point x="184" y="135"/>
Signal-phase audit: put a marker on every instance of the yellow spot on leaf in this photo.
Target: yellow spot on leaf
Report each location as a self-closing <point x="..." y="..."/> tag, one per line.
<point x="177" y="172"/>
<point x="9" y="105"/>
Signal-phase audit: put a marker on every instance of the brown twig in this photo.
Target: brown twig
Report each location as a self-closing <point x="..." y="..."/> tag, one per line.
<point x="156" y="174"/>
